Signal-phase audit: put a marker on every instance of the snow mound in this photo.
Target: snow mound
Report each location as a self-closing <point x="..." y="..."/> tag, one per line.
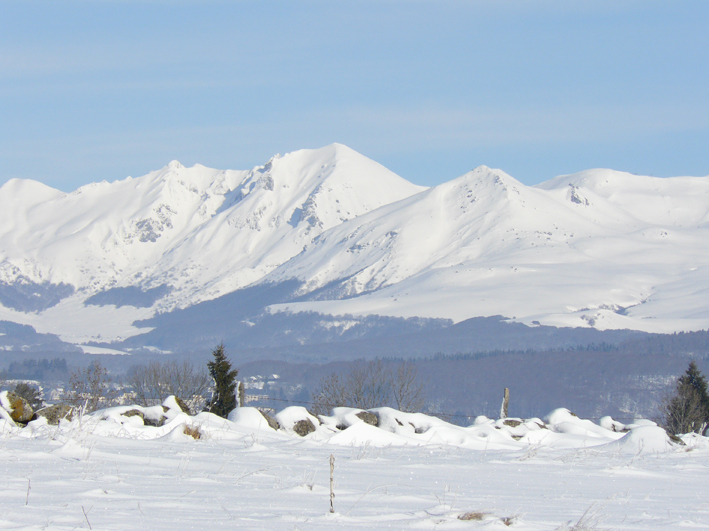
<point x="563" y="421"/>
<point x="351" y="427"/>
<point x="642" y="440"/>
<point x="249" y="417"/>
<point x="288" y="417"/>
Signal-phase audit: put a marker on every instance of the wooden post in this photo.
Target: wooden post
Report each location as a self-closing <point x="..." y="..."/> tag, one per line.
<point x="505" y="404"/>
<point x="242" y="394"/>
<point x="332" y="483"/>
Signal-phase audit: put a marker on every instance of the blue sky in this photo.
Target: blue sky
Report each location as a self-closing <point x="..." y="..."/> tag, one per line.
<point x="101" y="90"/>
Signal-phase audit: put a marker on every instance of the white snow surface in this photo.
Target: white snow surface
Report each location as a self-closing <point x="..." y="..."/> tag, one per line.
<point x="109" y="471"/>
<point x="599" y="248"/>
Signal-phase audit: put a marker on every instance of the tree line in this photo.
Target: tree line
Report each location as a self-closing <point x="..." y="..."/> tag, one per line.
<point x="365" y="385"/>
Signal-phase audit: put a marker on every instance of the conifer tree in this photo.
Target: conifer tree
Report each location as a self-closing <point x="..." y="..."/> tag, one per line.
<point x="687" y="409"/>
<point x="694" y="378"/>
<point x="224" y="397"/>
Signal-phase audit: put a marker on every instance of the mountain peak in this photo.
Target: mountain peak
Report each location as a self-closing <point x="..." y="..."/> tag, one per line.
<point x="482" y="244"/>
<point x="482" y="181"/>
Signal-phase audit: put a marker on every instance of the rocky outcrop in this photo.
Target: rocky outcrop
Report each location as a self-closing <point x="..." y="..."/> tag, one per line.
<point x="303" y="427"/>
<point x="55" y="413"/>
<point x="146" y="420"/>
<point x="368" y="418"/>
<point x="273" y="423"/>
<point x="184" y="407"/>
<point x="134" y="413"/>
<point x="19" y="409"/>
<point x="676" y="440"/>
<point x="153" y="422"/>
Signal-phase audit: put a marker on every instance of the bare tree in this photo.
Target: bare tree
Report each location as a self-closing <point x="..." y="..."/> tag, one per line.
<point x="368" y="384"/>
<point x="90" y="387"/>
<point x="330" y="393"/>
<point x="408" y="391"/>
<point x="154" y="382"/>
<point x="371" y="384"/>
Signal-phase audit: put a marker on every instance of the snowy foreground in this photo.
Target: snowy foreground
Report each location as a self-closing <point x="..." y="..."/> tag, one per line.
<point x="109" y="471"/>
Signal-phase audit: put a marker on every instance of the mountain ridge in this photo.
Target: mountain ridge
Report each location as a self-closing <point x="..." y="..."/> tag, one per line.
<point x="599" y="248"/>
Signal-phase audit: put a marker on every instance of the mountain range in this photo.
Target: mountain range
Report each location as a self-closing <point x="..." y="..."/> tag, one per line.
<point x="333" y="235"/>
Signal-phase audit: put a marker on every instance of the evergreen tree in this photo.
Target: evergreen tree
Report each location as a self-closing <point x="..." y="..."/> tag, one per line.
<point x="687" y="409"/>
<point x="693" y="378"/>
<point x="224" y="397"/>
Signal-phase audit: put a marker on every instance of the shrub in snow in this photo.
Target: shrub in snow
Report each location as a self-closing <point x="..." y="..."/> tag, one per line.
<point x="89" y="388"/>
<point x="192" y="431"/>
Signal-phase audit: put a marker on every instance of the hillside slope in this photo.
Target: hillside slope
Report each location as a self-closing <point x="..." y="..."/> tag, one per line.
<point x="600" y="248"/>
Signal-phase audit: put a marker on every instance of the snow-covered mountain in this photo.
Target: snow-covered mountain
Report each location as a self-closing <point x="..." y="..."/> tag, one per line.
<point x="181" y="234"/>
<point x="599" y="248"/>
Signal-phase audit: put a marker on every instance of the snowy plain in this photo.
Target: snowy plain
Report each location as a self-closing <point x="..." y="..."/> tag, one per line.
<point x="108" y="471"/>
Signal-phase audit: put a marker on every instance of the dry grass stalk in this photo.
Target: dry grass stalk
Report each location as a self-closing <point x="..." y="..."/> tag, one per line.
<point x="192" y="431"/>
<point x="474" y="515"/>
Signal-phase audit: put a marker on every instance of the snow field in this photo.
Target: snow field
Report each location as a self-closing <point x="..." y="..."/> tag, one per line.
<point x="111" y="472"/>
